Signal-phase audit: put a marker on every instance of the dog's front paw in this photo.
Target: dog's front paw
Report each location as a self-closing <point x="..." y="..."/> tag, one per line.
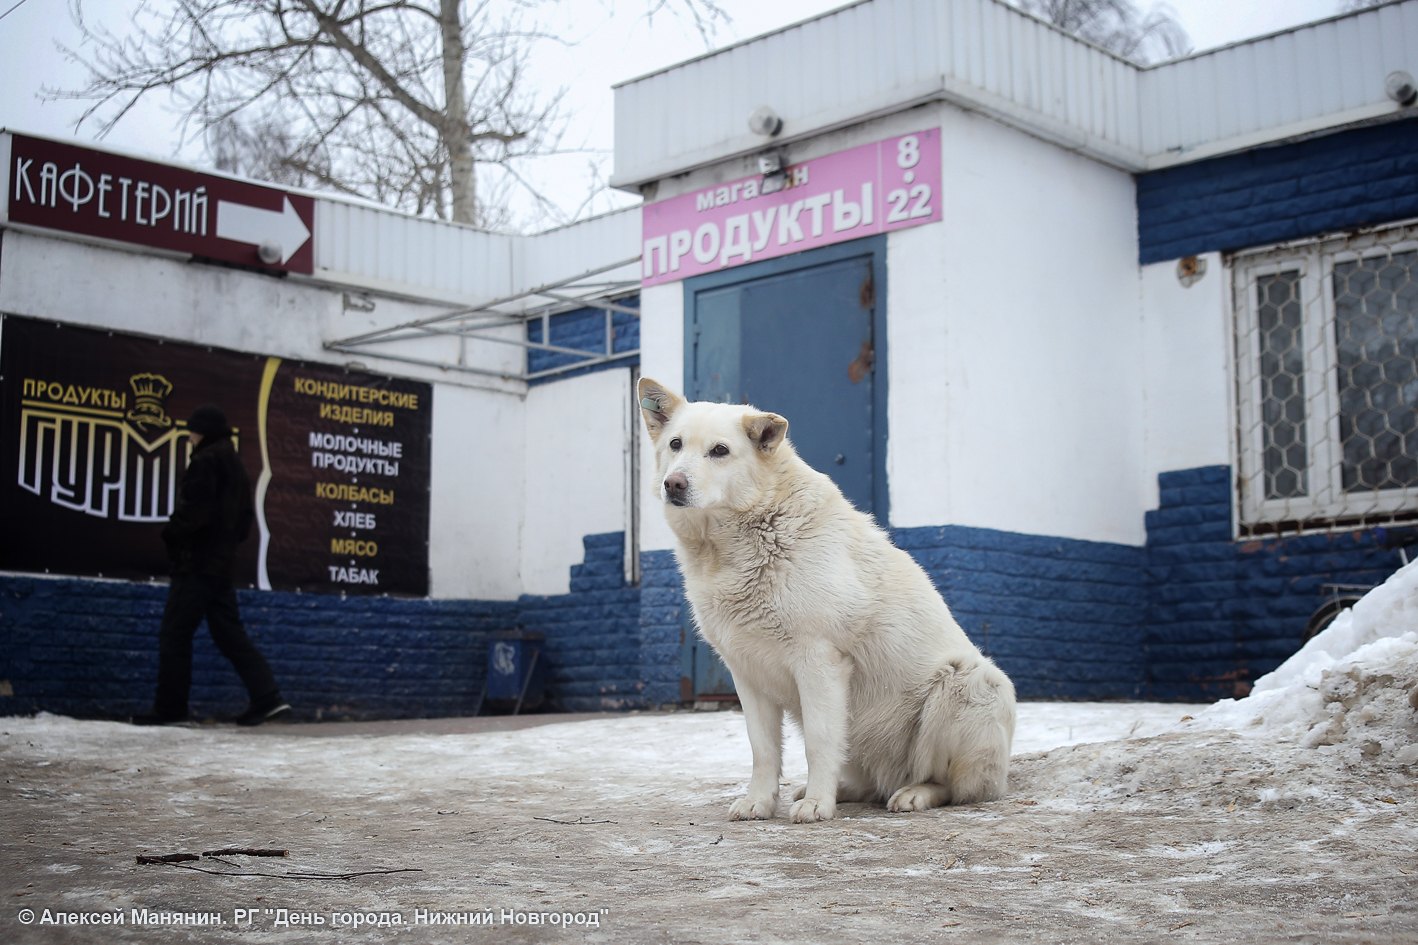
<point x="753" y="808"/>
<point x="810" y="809"/>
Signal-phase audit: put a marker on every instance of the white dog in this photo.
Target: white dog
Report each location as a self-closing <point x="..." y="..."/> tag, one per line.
<point x="815" y="612"/>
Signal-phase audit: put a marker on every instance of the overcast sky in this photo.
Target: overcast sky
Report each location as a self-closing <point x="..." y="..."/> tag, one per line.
<point x="610" y="41"/>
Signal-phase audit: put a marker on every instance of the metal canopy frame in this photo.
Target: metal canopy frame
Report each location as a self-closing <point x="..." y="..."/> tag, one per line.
<point x="475" y="322"/>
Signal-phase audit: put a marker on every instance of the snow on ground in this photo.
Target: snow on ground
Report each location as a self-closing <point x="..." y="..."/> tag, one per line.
<point x="1123" y="822"/>
<point x="607" y="757"/>
<point x="1044" y="726"/>
<point x="1352" y="690"/>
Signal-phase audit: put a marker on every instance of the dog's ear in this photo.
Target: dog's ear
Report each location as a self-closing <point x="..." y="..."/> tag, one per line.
<point x="657" y="404"/>
<point x="766" y="430"/>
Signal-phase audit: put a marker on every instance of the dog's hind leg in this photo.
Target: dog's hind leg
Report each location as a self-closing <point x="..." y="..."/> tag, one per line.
<point x="984" y="733"/>
<point x="961" y="753"/>
<point x="765" y="736"/>
<point x="921" y="796"/>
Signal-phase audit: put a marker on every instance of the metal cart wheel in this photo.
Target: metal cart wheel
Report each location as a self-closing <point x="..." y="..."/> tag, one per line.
<point x="1325" y="615"/>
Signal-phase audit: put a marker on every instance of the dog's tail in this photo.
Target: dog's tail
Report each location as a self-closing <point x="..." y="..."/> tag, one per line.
<point x="967" y="730"/>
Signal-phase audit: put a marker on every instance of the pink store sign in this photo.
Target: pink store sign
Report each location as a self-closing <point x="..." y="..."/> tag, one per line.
<point x="844" y="196"/>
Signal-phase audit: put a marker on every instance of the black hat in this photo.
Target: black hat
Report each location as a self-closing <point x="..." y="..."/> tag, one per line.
<point x="208" y="420"/>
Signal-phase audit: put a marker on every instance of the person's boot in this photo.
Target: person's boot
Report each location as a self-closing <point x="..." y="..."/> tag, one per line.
<point x="263" y="711"/>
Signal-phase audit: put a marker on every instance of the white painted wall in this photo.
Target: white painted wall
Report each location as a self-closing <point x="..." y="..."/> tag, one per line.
<point x="479" y="489"/>
<point x="1024" y="320"/>
<point x="136" y="291"/>
<point x="577" y="439"/>
<point x="1189" y="418"/>
<point x="918" y="471"/>
<point x="661" y="357"/>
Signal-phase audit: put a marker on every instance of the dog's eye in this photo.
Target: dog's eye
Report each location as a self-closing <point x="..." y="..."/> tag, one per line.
<point x="720" y="450"/>
<point x="675" y="444"/>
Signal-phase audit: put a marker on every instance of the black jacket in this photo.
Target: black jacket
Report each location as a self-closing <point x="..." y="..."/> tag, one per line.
<point x="214" y="511"/>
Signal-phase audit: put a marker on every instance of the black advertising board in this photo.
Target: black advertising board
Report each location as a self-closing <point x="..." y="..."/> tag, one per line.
<point x="93" y="442"/>
<point x="79" y="190"/>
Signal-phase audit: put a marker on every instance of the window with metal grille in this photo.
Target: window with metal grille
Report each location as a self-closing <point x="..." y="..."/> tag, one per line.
<point x="1327" y="382"/>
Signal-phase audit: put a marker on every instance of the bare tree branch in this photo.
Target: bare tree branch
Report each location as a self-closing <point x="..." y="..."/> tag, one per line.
<point x="706" y="15"/>
<point x="389" y="99"/>
<point x="406" y="102"/>
<point x="1116" y="25"/>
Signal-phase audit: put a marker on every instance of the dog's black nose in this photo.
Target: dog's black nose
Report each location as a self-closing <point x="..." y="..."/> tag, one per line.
<point x="676" y="485"/>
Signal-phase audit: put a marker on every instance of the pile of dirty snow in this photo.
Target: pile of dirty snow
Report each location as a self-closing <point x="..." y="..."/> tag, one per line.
<point x="1353" y="687"/>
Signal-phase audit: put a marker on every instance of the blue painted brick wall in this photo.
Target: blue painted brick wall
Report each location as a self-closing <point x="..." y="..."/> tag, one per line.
<point x="593" y="633"/>
<point x="1193" y="615"/>
<point x="662" y="611"/>
<point x="1266" y="195"/>
<point x="1221" y="613"/>
<point x="1062" y="617"/>
<point x="584" y="330"/>
<point x="89" y="648"/>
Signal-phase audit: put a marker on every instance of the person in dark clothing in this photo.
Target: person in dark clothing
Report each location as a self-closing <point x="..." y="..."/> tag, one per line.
<point x="213" y="514"/>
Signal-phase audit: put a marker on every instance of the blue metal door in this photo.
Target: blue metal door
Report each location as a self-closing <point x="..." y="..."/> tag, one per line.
<point x="802" y="336"/>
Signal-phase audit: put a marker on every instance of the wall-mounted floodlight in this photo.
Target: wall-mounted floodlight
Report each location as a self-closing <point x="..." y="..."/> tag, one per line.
<point x="1399" y="86"/>
<point x="765" y="121"/>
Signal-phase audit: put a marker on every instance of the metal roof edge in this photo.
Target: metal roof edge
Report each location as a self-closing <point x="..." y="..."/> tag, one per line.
<point x="940" y="88"/>
<point x="895" y="100"/>
<point x="856" y="3"/>
<point x="574" y="223"/>
<point x="1036" y="125"/>
<point x="973" y="99"/>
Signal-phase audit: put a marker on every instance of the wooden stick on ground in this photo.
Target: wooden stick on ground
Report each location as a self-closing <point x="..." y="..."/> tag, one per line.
<point x="168" y="858"/>
<point x="578" y="822"/>
<point x="199" y="869"/>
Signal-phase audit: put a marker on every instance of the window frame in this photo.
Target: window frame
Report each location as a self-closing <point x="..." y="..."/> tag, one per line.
<point x="1324" y="506"/>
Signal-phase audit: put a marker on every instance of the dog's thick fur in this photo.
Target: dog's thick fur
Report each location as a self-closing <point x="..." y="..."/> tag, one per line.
<point x="817" y="614"/>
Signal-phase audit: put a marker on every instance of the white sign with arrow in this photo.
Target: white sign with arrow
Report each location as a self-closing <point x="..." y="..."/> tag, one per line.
<point x="276" y="235"/>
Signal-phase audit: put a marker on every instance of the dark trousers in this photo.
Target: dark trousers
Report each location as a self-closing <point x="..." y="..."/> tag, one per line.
<point x="191" y="597"/>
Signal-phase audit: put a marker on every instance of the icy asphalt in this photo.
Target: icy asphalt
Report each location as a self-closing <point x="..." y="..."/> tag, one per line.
<point x="1123" y="824"/>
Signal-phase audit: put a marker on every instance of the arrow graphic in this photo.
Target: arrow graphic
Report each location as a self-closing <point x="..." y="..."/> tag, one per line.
<point x="243" y="224"/>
